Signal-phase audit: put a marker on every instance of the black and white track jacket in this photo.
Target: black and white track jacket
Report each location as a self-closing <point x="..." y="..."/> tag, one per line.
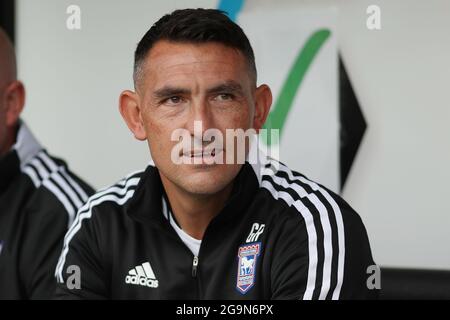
<point x="39" y="198"/>
<point x="279" y="236"/>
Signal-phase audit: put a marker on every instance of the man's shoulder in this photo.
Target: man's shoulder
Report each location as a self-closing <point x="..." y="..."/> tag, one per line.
<point x="111" y="199"/>
<point x="306" y="202"/>
<point x="321" y="232"/>
<point x="55" y="188"/>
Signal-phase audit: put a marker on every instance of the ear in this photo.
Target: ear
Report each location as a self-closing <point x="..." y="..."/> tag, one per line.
<point x="263" y="101"/>
<point x="131" y="112"/>
<point x="15" y="101"/>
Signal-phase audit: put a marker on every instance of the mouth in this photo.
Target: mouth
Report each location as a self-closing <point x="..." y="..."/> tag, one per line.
<point x="202" y="153"/>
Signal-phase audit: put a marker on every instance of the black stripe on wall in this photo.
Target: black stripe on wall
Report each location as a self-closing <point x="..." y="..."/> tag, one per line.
<point x="352" y="123"/>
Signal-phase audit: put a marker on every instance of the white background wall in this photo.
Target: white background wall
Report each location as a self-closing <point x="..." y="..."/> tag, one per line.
<point x="401" y="76"/>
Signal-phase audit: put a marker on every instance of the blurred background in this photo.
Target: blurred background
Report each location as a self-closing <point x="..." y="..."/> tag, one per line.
<point x="361" y="94"/>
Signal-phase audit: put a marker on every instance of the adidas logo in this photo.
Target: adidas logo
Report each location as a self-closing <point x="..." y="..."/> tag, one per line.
<point x="142" y="275"/>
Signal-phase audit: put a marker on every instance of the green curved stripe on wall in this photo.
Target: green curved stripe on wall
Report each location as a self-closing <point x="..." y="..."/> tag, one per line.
<point x="283" y="104"/>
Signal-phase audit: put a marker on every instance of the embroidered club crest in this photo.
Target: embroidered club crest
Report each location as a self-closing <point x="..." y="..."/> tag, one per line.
<point x="248" y="255"/>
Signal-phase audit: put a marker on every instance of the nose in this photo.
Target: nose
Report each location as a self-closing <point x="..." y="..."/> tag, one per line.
<point x="200" y="118"/>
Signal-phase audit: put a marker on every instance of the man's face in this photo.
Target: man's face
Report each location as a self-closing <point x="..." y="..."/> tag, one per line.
<point x="183" y="83"/>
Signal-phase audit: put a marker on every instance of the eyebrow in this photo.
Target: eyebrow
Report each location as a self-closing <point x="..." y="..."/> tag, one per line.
<point x="166" y="92"/>
<point x="228" y="87"/>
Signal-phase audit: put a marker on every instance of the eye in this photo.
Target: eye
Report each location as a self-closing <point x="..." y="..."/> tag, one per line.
<point x="173" y="100"/>
<point x="224" y="97"/>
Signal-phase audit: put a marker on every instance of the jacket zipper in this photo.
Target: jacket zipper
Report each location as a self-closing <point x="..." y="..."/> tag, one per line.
<point x="194" y="267"/>
<point x="195" y="277"/>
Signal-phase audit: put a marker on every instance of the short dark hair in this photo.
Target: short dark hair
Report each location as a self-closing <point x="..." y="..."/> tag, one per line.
<point x="194" y="26"/>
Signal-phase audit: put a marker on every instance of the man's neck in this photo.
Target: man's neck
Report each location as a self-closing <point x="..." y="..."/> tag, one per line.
<point x="194" y="212"/>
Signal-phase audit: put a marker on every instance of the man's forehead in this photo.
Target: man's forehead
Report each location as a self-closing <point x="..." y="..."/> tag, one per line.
<point x="178" y="64"/>
<point x="177" y="82"/>
<point x="180" y="55"/>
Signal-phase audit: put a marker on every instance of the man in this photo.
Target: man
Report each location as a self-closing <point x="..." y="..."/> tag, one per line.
<point x="204" y="229"/>
<point x="39" y="197"/>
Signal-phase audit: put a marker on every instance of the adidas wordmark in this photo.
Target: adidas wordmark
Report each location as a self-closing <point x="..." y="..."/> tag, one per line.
<point x="142" y="275"/>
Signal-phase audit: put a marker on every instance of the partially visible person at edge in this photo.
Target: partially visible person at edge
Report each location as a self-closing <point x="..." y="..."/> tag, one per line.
<point x="39" y="196"/>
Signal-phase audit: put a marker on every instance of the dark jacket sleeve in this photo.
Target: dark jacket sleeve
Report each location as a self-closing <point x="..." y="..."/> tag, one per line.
<point x="81" y="250"/>
<point x="45" y="226"/>
<point x="299" y="267"/>
<point x="359" y="262"/>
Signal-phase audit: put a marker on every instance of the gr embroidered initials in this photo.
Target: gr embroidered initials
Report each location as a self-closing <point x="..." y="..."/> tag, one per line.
<point x="255" y="232"/>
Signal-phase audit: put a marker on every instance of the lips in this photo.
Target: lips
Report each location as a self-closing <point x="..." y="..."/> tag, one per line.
<point x="203" y="153"/>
